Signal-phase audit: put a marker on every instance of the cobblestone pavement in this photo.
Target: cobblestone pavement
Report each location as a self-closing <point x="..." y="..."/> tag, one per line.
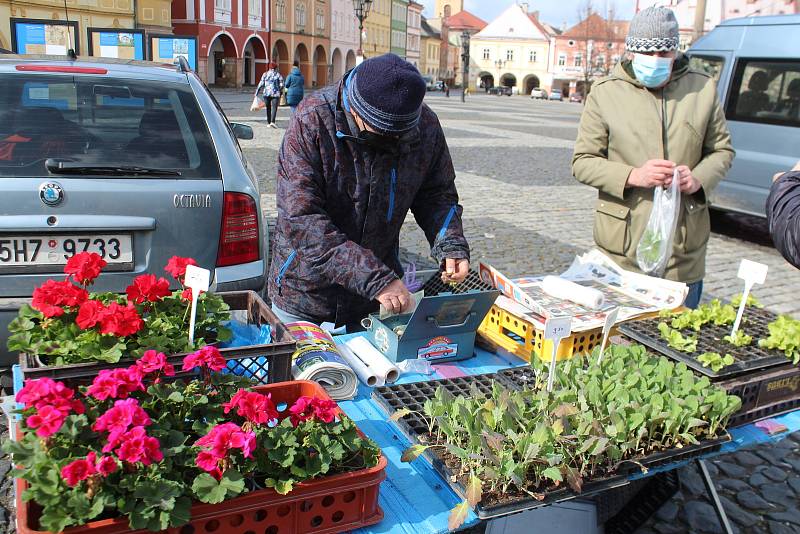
<point x="525" y="214"/>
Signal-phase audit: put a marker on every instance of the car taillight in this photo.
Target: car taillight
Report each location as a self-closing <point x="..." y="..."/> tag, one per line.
<point x="238" y="239"/>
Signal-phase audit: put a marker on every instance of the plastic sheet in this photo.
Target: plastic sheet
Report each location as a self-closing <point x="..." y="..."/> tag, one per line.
<point x="246" y="335"/>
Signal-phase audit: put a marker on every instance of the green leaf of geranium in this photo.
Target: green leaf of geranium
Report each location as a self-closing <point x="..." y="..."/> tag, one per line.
<point x="207" y="489"/>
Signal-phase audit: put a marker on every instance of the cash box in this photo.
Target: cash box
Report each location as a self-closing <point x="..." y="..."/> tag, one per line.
<point x="443" y="326"/>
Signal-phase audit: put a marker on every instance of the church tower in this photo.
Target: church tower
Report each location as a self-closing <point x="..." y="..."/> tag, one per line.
<point x="446" y="8"/>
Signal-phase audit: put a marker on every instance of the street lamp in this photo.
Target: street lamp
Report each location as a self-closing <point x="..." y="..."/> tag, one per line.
<point x="500" y="63"/>
<point x="361" y="8"/>
<point x="465" y="62"/>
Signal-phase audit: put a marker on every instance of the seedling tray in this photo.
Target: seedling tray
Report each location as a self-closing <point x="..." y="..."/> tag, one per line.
<point x="434" y="286"/>
<point x="266" y="363"/>
<point x="413" y="396"/>
<point x="710" y="339"/>
<point x="764" y="394"/>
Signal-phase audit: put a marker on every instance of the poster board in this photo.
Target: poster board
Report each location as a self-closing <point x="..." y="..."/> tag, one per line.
<point x="117" y="43"/>
<point x="41" y="36"/>
<point x="167" y="48"/>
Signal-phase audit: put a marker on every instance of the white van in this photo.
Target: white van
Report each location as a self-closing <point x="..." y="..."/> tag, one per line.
<point x="756" y="62"/>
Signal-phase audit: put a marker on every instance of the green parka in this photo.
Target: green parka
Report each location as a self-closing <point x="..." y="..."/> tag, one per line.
<point x="624" y="125"/>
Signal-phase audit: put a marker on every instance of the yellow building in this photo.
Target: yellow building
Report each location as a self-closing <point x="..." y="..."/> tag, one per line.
<point x="512" y="51"/>
<point x="378" y="29"/>
<point x="47" y="27"/>
<point x="429" y="51"/>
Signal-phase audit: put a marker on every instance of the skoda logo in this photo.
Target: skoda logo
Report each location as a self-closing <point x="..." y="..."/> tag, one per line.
<point x="51" y="193"/>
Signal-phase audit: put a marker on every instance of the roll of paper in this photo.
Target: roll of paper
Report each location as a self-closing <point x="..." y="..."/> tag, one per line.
<point x="565" y="290"/>
<point x="364" y="372"/>
<point x="317" y="358"/>
<point x="371" y="361"/>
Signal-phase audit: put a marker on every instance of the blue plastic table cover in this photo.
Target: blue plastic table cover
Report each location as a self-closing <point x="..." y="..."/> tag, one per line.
<point x="415" y="499"/>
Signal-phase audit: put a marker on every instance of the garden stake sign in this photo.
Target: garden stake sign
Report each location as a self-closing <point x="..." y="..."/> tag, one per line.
<point x="556" y="329"/>
<point x="752" y="273"/>
<point x="197" y="280"/>
<point x="611" y="320"/>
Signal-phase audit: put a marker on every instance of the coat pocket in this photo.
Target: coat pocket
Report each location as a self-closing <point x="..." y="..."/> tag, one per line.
<point x="612" y="227"/>
<point x="697" y="227"/>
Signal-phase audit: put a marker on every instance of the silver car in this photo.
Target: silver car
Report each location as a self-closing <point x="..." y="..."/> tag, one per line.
<point x="132" y="160"/>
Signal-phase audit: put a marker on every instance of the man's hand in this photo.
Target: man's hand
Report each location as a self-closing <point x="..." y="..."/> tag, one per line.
<point x="653" y="173"/>
<point x="455" y="270"/>
<point x="688" y="183"/>
<point x="779" y="174"/>
<point x="395" y="297"/>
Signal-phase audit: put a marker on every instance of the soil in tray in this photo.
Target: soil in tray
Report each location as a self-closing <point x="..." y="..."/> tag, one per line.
<point x="710" y="338"/>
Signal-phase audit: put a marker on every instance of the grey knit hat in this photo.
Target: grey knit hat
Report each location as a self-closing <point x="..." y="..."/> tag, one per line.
<point x="654" y="29"/>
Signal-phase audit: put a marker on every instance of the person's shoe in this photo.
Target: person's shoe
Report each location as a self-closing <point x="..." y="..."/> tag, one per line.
<point x="273" y="125"/>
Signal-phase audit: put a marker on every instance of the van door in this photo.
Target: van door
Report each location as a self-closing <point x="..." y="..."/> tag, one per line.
<point x="763" y="112"/>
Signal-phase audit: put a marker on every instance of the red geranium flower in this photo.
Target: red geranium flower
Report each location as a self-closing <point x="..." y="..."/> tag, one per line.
<point x="47" y="421"/>
<point x="90" y="314"/>
<point x="120" y="320"/>
<point x="153" y="362"/>
<point x="50" y="296"/>
<point x="208" y="356"/>
<point x="148" y="288"/>
<point x="254" y="407"/>
<point x="227" y="436"/>
<point x="207" y="461"/>
<point x="84" y="267"/>
<point x="106" y="465"/>
<point x="176" y="266"/>
<point x="324" y="410"/>
<point x="78" y="470"/>
<point x="301" y="410"/>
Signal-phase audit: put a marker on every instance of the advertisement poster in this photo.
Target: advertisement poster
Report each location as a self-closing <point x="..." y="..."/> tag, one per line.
<point x="126" y="44"/>
<point x="168" y="49"/>
<point x="36" y="37"/>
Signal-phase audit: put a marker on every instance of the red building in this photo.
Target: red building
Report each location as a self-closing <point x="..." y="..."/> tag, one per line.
<point x="586" y="52"/>
<point x="232" y="38"/>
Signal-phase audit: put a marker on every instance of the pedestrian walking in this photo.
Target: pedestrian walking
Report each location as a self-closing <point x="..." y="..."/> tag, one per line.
<point x="783" y="214"/>
<point x="294" y="87"/>
<point x="446" y="90"/>
<point x="653" y="115"/>
<point x="270" y="88"/>
<point x="355" y="159"/>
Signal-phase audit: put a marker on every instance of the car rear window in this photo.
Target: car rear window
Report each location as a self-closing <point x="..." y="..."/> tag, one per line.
<point x="101" y="122"/>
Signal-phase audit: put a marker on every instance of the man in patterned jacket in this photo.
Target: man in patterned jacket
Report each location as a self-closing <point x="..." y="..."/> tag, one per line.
<point x="355" y="158"/>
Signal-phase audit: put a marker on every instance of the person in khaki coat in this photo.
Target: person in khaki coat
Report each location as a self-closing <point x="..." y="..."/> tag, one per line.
<point x="650" y="116"/>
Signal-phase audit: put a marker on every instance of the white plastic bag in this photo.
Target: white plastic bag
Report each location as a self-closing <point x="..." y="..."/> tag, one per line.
<point x="655" y="246"/>
<point x="257" y="104"/>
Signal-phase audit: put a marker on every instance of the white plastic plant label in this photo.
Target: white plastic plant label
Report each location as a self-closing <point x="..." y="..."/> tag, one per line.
<point x="752" y="273"/>
<point x="611" y="320"/>
<point x="197" y="279"/>
<point x="555" y="329"/>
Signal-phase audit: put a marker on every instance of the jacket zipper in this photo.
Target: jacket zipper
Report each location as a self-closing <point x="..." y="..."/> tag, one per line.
<point x="392" y="185"/>
<point x="283" y="269"/>
<point x="447" y="220"/>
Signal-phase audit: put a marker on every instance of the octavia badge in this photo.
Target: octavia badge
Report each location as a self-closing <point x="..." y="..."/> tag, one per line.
<point x="51" y="193"/>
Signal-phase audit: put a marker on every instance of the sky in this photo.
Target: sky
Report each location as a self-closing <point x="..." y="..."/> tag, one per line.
<point x="550" y="11"/>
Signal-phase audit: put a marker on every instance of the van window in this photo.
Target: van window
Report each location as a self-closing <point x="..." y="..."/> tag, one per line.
<point x="766" y="91"/>
<point x="103" y="122"/>
<point x="710" y="65"/>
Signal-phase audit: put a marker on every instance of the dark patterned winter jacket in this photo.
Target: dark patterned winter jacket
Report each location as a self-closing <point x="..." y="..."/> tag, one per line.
<point x="341" y="206"/>
<point x="783" y="213"/>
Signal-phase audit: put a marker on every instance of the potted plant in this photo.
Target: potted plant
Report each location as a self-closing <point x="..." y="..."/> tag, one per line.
<point x="123" y="455"/>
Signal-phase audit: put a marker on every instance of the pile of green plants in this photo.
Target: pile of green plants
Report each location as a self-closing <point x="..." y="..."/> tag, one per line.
<point x="598" y="418"/>
<point x="784" y="331"/>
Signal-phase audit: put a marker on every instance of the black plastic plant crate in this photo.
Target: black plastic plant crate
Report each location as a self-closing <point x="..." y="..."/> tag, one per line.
<point x="434" y="286"/>
<point x="265" y="364"/>
<point x="650" y="496"/>
<point x="710" y="339"/>
<point x="413" y="396"/>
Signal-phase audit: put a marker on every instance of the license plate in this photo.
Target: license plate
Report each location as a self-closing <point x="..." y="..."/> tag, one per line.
<point x="55" y="250"/>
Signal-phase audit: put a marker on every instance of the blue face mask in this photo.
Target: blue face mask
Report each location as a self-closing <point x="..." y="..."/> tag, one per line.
<point x="652" y="71"/>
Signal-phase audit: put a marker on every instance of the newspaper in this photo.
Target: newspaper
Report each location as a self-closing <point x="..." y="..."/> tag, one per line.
<point x="635" y="294"/>
<point x="318" y="359"/>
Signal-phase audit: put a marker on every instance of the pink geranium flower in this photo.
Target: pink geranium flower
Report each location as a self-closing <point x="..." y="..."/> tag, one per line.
<point x="137" y="447"/>
<point x="116" y="383"/>
<point x="74" y="472"/>
<point x="117" y="420"/>
<point x="153" y="361"/>
<point x="47" y="421"/>
<point x="209" y="356"/>
<point x="106" y="465"/>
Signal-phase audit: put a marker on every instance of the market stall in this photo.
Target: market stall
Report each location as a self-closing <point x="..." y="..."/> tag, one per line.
<point x="472" y="405"/>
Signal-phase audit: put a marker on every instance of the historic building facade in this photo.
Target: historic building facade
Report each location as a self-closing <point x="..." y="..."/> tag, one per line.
<point x="301" y="31"/>
<point x="344" y="38"/>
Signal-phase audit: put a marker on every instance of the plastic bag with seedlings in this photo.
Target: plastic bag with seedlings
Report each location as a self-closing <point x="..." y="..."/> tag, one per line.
<point x="655" y="246"/>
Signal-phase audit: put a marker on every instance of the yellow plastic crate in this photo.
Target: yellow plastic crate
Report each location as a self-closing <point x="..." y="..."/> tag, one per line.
<point x="502" y="329"/>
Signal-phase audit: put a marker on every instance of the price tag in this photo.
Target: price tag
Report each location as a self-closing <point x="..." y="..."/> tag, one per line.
<point x="555" y="329"/>
<point x="611" y="320"/>
<point x="752" y="273"/>
<point x="197" y="279"/>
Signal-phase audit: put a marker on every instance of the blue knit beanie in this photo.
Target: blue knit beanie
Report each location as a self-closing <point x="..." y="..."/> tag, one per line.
<point x="386" y="92"/>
